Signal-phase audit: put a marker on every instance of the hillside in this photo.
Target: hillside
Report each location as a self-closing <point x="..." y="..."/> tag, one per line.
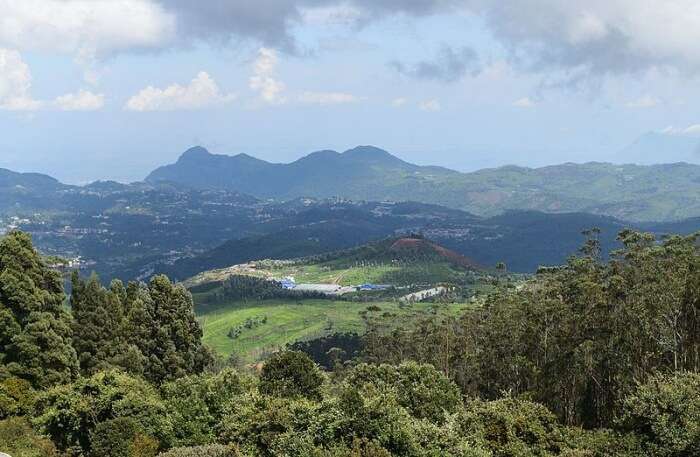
<point x="28" y="190"/>
<point x="360" y="171"/>
<point x="244" y="309"/>
<point x="628" y="192"/>
<point x="404" y="261"/>
<point x="524" y="240"/>
<point x="287" y="322"/>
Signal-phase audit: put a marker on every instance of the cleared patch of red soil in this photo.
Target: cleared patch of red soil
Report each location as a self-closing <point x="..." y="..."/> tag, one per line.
<point x="421" y="244"/>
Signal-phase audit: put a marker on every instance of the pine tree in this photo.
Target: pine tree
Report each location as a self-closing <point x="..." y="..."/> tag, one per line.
<point x="35" y="330"/>
<point x="100" y="327"/>
<point x="163" y="326"/>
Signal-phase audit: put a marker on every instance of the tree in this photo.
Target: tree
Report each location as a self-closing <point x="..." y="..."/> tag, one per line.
<point x="16" y="397"/>
<point x="291" y="374"/>
<point x="162" y="325"/>
<point x="665" y="413"/>
<point x="197" y="403"/>
<point x="100" y="327"/>
<point x="576" y="338"/>
<point x="421" y="389"/>
<point x="18" y="438"/>
<point x="119" y="438"/>
<point x="72" y="414"/>
<point x="35" y="330"/>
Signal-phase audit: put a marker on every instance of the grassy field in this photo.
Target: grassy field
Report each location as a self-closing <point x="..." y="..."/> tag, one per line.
<point x="288" y="321"/>
<point x="329" y="274"/>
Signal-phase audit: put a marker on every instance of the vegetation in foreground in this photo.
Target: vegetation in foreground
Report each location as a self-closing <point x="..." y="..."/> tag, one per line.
<point x="591" y="359"/>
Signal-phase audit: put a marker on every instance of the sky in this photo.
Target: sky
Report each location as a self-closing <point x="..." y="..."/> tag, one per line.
<point x="110" y="89"/>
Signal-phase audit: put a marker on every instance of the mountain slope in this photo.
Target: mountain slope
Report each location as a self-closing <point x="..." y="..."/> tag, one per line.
<point x="19" y="191"/>
<point x="628" y="192"/>
<point x="362" y="172"/>
<point x="409" y="260"/>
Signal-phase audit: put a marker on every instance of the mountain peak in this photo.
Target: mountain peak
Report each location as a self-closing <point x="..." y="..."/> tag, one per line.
<point x="320" y="155"/>
<point x="196" y="152"/>
<point x="367" y="152"/>
<point x="373" y="155"/>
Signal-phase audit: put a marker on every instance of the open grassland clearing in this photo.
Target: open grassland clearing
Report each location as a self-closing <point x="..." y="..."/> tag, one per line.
<point x="288" y="321"/>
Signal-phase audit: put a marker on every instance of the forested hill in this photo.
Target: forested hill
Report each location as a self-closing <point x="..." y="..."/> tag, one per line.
<point x="359" y="173"/>
<point x="28" y="189"/>
<point x="628" y="192"/>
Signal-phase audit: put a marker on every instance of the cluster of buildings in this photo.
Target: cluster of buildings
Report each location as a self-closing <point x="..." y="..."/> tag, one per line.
<point x="289" y="283"/>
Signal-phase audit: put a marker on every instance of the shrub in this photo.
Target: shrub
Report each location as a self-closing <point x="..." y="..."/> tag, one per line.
<point x="421" y="389"/>
<point x="600" y="443"/>
<point x="143" y="446"/>
<point x="197" y="403"/>
<point x="262" y="423"/>
<point x="291" y="374"/>
<point x="19" y="440"/>
<point x="211" y="450"/>
<point x="512" y="428"/>
<point x="70" y="414"/>
<point x="372" y="416"/>
<point x="122" y="437"/>
<point x="360" y="448"/>
<point x="16" y="397"/>
<point x="665" y="413"/>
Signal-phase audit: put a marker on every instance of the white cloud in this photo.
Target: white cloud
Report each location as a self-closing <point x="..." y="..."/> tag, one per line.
<point x="586" y="38"/>
<point x="269" y="89"/>
<point x="691" y="130"/>
<point x="201" y="92"/>
<point x="646" y="101"/>
<point x="15" y="83"/>
<point x="597" y="37"/>
<point x="82" y="100"/>
<point x="525" y="102"/>
<point x="85" y="26"/>
<point x="430" y="105"/>
<point x="327" y="98"/>
<point x="334" y="14"/>
<point x="399" y="102"/>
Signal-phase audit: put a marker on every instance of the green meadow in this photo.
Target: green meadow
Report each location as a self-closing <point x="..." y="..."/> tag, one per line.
<point x="288" y="321"/>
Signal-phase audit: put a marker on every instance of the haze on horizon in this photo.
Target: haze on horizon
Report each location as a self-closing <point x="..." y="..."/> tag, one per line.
<point x="111" y="89"/>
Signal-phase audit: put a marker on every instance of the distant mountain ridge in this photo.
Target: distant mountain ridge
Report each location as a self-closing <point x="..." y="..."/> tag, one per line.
<point x="28" y="190"/>
<point x="9" y="179"/>
<point x="359" y="170"/>
<point x="628" y="192"/>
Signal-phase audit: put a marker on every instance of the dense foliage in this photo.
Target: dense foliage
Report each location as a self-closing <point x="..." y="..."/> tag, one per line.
<point x="535" y="372"/>
<point x="148" y="330"/>
<point x="330" y="350"/>
<point x="576" y="338"/>
<point x="35" y="330"/>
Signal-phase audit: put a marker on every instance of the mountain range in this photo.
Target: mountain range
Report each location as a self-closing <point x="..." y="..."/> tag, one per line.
<point x="134" y="230"/>
<point x="628" y="192"/>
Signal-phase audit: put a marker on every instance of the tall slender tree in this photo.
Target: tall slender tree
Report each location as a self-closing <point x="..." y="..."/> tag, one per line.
<point x="35" y="329"/>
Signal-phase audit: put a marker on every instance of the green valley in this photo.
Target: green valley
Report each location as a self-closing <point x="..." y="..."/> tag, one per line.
<point x="284" y="301"/>
<point x="288" y="321"/>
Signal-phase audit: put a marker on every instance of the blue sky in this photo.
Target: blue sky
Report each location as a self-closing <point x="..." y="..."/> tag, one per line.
<point x="110" y="89"/>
